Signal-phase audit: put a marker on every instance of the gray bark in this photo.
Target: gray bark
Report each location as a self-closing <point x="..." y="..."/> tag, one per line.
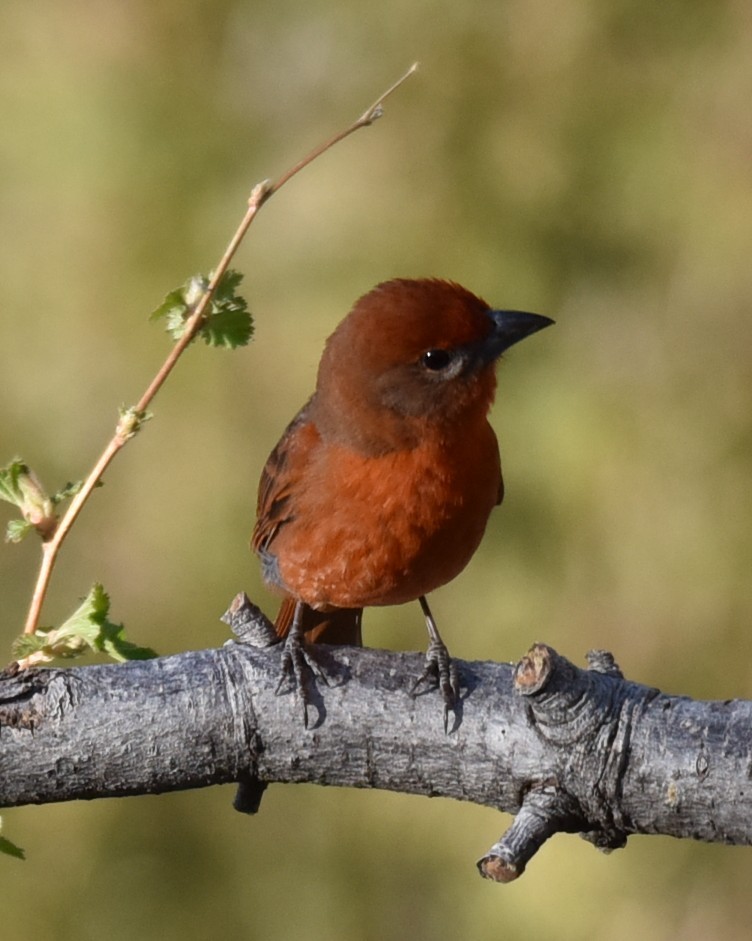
<point x="564" y="749"/>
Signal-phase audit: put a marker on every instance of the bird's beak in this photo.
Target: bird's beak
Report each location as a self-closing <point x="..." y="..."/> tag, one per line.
<point x="511" y="326"/>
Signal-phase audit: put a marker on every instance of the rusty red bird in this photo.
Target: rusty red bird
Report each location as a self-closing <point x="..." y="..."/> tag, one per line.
<point x="380" y="488"/>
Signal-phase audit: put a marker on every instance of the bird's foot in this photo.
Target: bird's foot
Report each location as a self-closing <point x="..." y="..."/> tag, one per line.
<point x="440" y="673"/>
<point x="299" y="672"/>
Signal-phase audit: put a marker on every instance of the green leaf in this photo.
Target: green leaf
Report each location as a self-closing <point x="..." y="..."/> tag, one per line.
<point x="66" y="492"/>
<point x="228" y="284"/>
<point x="173" y="301"/>
<point x="19" y="485"/>
<point x="27" y="644"/>
<point x="180" y="299"/>
<point x="16" y="530"/>
<point x="229" y="323"/>
<point x="10" y="489"/>
<point x="179" y="304"/>
<point x="112" y="641"/>
<point x="226" y="322"/>
<point x="91" y="613"/>
<point x="230" y="327"/>
<point x="87" y="629"/>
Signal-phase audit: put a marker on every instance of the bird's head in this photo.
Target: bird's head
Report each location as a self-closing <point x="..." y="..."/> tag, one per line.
<point x="415" y="352"/>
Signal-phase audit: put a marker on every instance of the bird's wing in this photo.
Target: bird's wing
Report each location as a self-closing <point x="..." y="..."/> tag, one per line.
<point x="282" y="472"/>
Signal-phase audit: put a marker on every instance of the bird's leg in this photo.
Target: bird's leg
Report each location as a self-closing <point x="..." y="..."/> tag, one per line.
<point x="439" y="669"/>
<point x="297" y="664"/>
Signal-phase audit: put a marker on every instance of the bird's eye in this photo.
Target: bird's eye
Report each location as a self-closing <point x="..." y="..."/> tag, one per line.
<point x="436" y="359"/>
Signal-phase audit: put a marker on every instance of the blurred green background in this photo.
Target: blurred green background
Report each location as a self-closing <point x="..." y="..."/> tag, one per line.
<point x="587" y="160"/>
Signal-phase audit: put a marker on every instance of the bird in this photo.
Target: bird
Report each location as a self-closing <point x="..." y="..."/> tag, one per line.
<point x="380" y="488"/>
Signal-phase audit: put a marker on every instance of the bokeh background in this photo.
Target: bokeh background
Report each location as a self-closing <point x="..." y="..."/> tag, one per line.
<point x="591" y="160"/>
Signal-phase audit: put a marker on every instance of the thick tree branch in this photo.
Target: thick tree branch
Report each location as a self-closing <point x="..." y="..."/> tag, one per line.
<point x="564" y="749"/>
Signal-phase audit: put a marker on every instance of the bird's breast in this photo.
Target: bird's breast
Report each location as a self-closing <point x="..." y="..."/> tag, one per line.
<point x="380" y="530"/>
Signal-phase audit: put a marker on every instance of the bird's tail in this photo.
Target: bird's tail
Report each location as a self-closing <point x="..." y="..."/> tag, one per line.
<point x="340" y="626"/>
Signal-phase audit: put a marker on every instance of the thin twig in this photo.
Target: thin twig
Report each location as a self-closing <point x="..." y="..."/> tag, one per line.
<point x="365" y="120"/>
<point x="261" y="193"/>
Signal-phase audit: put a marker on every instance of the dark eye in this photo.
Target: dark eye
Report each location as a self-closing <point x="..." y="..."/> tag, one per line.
<point x="436" y="359"/>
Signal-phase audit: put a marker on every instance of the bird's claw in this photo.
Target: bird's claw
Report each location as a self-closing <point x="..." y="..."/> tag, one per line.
<point x="440" y="673"/>
<point x="298" y="671"/>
